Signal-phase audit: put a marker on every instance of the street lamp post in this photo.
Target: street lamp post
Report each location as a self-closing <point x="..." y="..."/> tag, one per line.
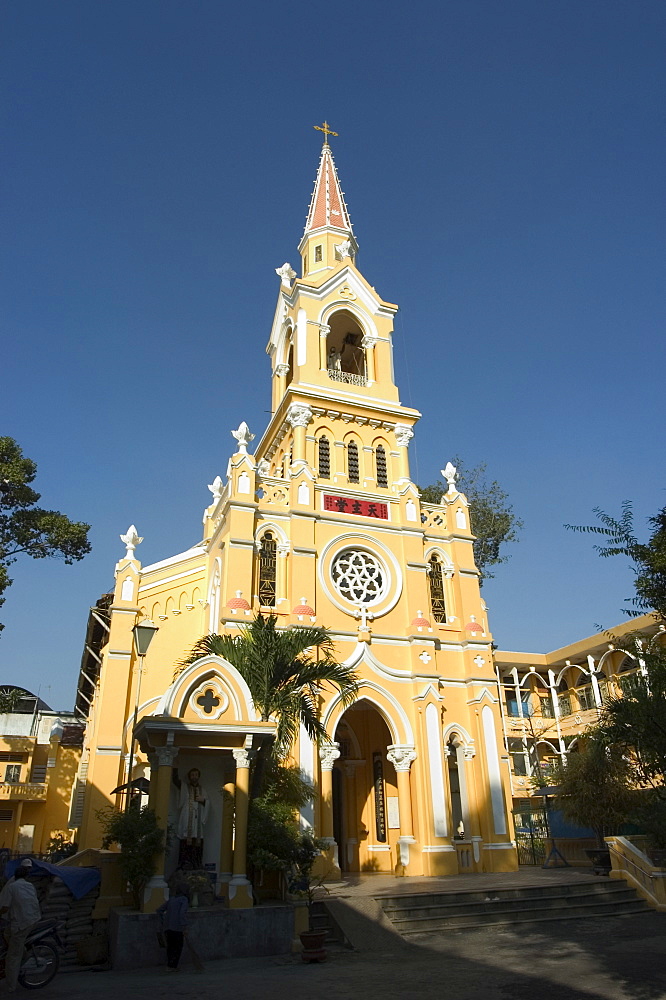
<point x="143" y="633"/>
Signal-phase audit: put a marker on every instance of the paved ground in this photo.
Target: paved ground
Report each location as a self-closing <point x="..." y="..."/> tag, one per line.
<point x="618" y="958"/>
<point x="614" y="958"/>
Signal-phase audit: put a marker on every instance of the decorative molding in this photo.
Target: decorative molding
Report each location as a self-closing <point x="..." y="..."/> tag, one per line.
<point x="299" y="415"/>
<point x="165" y="756"/>
<point x="241" y="756"/>
<point x="328" y="754"/>
<point x="401" y="756"/>
<point x="403" y="434"/>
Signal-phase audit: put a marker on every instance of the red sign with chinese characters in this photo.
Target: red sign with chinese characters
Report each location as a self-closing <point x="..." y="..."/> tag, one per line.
<point x="349" y="505"/>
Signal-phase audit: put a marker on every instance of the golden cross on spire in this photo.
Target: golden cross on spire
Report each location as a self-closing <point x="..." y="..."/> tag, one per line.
<point x="326" y="130"/>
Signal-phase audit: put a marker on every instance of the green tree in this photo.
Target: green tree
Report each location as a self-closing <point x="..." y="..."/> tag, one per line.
<point x="9" y="698"/>
<point x="140" y="838"/>
<point x="26" y="528"/>
<point x="648" y="558"/>
<point x="595" y="786"/>
<point x="493" y="519"/>
<point x="286" y="671"/>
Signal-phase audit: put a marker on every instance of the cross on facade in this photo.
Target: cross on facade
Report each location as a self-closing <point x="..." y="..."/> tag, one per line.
<point x="364" y="616"/>
<point x="208" y="701"/>
<point x="326" y="130"/>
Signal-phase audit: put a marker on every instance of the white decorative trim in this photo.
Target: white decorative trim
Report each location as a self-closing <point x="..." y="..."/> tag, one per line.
<point x="436" y="769"/>
<point x="169" y="579"/>
<point x="217" y="666"/>
<point x="362" y="541"/>
<point x="438" y="849"/>
<point x="510" y="845"/>
<point x="406" y="736"/>
<point x="213" y="684"/>
<point x="493" y="769"/>
<point x="328" y="754"/>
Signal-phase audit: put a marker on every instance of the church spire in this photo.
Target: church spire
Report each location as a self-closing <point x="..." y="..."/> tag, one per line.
<point x="327" y="215"/>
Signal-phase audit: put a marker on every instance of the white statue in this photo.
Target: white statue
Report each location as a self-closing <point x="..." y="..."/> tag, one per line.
<point x="334" y="360"/>
<point x="243" y="436"/>
<point x="131" y="540"/>
<point x="193" y="808"/>
<point x="286" y="274"/>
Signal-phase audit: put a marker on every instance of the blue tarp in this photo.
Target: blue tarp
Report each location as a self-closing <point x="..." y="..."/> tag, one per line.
<point x="79" y="881"/>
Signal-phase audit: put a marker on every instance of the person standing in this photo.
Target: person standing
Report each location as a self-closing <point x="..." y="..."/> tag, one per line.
<point x="173" y="915"/>
<point x="19" y="900"/>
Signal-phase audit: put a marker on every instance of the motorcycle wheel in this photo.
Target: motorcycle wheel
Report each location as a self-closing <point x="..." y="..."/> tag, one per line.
<point x="39" y="966"/>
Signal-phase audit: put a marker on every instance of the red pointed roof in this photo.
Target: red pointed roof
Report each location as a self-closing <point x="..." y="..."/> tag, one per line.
<point x="327" y="207"/>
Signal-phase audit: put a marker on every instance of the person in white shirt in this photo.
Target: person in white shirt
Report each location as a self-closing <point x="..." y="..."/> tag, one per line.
<point x="19" y="900"/>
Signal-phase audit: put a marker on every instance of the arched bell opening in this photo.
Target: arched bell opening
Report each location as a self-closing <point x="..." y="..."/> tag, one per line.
<point x="366" y="823"/>
<point x="345" y="354"/>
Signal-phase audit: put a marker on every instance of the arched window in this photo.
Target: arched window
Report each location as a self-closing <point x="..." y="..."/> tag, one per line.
<point x="267" y="570"/>
<point x="352" y="462"/>
<point x="324" y="457"/>
<point x="436" y="581"/>
<point x="382" y="470"/>
<point x="290" y="364"/>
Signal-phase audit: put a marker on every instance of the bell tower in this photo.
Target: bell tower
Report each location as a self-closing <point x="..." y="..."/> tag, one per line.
<point x="331" y="348"/>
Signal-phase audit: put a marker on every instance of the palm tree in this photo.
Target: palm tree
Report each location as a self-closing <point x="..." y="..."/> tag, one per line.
<point x="286" y="671"/>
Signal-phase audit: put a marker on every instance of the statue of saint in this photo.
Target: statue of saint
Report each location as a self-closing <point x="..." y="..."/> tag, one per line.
<point x="334" y="360"/>
<point x="192" y="814"/>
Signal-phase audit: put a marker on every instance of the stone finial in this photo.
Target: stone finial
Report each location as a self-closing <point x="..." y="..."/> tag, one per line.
<point x="243" y="436"/>
<point x="450" y="473"/>
<point x="286" y="274"/>
<point x="216" y="488"/>
<point x="131" y="540"/>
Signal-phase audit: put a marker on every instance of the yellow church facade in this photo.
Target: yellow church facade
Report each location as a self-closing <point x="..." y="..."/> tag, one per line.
<point x="318" y="520"/>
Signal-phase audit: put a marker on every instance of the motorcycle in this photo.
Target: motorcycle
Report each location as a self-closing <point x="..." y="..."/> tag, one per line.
<point x="41" y="958"/>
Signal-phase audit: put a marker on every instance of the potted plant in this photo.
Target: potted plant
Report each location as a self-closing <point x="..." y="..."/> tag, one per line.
<point x="308" y="886"/>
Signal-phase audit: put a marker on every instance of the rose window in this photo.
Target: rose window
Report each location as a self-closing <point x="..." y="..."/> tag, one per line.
<point x="359" y="576"/>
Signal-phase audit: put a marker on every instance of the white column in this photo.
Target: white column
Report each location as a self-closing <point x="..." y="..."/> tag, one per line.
<point x="436" y="771"/>
<point x="493" y="765"/>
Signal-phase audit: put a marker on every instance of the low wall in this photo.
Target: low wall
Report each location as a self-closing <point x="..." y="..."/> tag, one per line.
<point x="215" y="932"/>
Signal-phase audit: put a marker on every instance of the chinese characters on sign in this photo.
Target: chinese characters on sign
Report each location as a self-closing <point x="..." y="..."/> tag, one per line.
<point x="347" y="505"/>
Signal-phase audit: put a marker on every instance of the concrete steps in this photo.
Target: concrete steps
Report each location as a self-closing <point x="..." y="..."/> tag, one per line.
<point x="321" y="919"/>
<point x="428" y="913"/>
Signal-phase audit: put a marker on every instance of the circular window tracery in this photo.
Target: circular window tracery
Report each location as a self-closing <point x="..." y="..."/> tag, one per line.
<point x="359" y="576"/>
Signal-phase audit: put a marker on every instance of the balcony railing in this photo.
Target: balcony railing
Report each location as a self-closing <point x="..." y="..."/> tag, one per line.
<point x="24" y="791"/>
<point x="349" y="377"/>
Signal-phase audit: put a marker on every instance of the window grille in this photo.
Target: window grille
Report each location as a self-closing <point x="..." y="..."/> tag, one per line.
<point x="564" y="702"/>
<point x="324" y="458"/>
<point x="13" y="774"/>
<point x="12" y="758"/>
<point x="585" y="698"/>
<point x="267" y="570"/>
<point x="38" y="773"/>
<point x="6" y="815"/>
<point x="318" y="253"/>
<point x="382" y="472"/>
<point x="546" y="707"/>
<point x="352" y="462"/>
<point x="436" y="580"/>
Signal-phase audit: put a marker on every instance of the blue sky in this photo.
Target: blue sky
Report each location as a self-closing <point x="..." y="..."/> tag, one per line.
<point x="503" y="165"/>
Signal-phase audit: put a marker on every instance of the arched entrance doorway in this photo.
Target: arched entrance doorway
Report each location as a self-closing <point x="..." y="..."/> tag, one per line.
<point x="366" y="819"/>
